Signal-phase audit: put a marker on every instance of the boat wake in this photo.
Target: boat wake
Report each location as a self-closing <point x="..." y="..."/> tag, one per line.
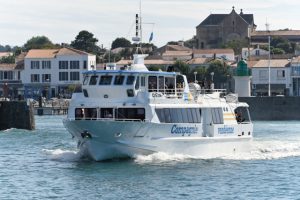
<point x="261" y="150"/>
<point x="63" y="155"/>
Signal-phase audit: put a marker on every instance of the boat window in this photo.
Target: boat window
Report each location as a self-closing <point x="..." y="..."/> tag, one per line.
<point x="161" y="115"/>
<point x="130" y="80"/>
<point x="161" y="83"/>
<point x="217" y="115"/>
<point x="137" y="83"/>
<point x="143" y="82"/>
<point x="105" y="80"/>
<point x="152" y="83"/>
<point x="119" y="80"/>
<point x="170" y="84"/>
<point x="86" y="113"/>
<point x="167" y="115"/>
<point x="179" y="115"/>
<point x="242" y="115"/>
<point x="130" y="113"/>
<point x="79" y="113"/>
<point x="106" y="113"/>
<point x="93" y="80"/>
<point x="86" y="79"/>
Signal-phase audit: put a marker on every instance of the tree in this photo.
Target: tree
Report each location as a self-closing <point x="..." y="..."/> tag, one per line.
<point x="8" y="59"/>
<point x="39" y="42"/>
<point x="236" y="45"/>
<point x="86" y="41"/>
<point x="221" y="72"/>
<point x="154" y="68"/>
<point x="182" y="67"/>
<point x="120" y="42"/>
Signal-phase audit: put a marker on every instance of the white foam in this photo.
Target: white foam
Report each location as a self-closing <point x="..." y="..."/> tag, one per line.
<point x="63" y="155"/>
<point x="261" y="150"/>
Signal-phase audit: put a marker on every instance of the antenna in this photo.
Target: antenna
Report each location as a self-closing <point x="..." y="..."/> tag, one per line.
<point x="267" y="25"/>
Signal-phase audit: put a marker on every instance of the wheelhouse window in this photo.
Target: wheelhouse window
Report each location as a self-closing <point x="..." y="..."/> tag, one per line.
<point x="119" y="80"/>
<point x="130" y="80"/>
<point x="86" y="80"/>
<point x="93" y="80"/>
<point x="105" y="80"/>
<point x="170" y="84"/>
<point x="161" y="83"/>
<point x="152" y="83"/>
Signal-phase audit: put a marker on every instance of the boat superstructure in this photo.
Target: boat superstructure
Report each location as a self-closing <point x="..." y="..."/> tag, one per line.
<point x="132" y="111"/>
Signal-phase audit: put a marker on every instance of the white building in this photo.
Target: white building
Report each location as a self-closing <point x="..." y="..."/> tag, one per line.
<point x="10" y="76"/>
<point x="295" y="76"/>
<point x="280" y="79"/>
<point x="50" y="72"/>
<point x="254" y="52"/>
<point x="227" y="54"/>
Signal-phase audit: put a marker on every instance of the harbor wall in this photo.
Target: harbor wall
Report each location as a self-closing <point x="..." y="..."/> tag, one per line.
<point x="273" y="108"/>
<point x="16" y="114"/>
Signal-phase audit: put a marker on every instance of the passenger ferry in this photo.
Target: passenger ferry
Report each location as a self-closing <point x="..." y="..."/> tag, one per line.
<point x="132" y="111"/>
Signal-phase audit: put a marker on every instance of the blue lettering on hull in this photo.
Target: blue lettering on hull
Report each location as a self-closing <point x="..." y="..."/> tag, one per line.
<point x="226" y="130"/>
<point x="184" y="130"/>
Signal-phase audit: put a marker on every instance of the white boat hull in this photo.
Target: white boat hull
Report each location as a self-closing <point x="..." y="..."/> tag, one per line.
<point x="117" y="139"/>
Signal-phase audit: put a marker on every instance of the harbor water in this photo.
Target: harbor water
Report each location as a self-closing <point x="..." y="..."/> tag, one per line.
<point x="45" y="164"/>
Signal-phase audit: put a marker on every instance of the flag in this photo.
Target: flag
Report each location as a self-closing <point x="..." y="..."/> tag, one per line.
<point x="151" y="37"/>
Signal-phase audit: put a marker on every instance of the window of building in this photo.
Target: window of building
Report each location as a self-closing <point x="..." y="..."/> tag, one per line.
<point x="263" y="74"/>
<point x="74" y="76"/>
<point x="257" y="52"/>
<point x="280" y="73"/>
<point x="46" y="64"/>
<point x="35" y="78"/>
<point x="105" y="80"/>
<point x="35" y="64"/>
<point x="63" y="76"/>
<point x="119" y="80"/>
<point x="63" y="64"/>
<point x="46" y="78"/>
<point x="84" y="64"/>
<point x="74" y="64"/>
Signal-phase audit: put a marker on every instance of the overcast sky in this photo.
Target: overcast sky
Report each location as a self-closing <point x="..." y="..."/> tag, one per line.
<point x="61" y="20"/>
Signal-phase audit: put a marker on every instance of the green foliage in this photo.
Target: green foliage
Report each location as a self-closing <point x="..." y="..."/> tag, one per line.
<point x="236" y="45"/>
<point x="120" y="42"/>
<point x="5" y="48"/>
<point x="154" y="68"/>
<point x="281" y="46"/>
<point x="221" y="72"/>
<point x="8" y="59"/>
<point x="39" y="42"/>
<point x="200" y="76"/>
<point x="85" y="41"/>
<point x="277" y="51"/>
<point x="182" y="67"/>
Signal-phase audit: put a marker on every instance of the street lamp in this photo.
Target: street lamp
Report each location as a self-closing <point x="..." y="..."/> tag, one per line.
<point x="212" y="80"/>
<point x="195" y="73"/>
<point x="212" y="76"/>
